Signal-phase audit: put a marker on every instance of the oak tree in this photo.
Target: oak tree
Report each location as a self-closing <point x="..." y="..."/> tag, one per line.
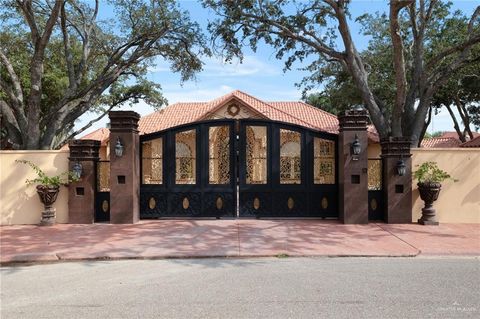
<point x="320" y="30"/>
<point x="62" y="58"/>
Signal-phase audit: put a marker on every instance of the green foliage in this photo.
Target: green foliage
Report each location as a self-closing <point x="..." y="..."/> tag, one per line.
<point x="94" y="61"/>
<point x="43" y="179"/>
<point x="429" y="172"/>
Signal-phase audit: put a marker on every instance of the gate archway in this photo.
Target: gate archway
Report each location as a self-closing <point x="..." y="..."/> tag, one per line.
<point x="239" y="168"/>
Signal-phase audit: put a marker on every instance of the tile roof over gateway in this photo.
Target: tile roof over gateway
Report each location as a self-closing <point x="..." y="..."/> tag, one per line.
<point x="298" y="113"/>
<point x="295" y="112"/>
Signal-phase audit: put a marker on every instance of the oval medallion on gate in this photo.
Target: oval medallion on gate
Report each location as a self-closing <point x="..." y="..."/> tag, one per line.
<point x="256" y="203"/>
<point x="152" y="203"/>
<point x="373" y="204"/>
<point x="290" y="203"/>
<point x="324" y="203"/>
<point x="105" y="206"/>
<point x="219" y="203"/>
<point x="185" y="203"/>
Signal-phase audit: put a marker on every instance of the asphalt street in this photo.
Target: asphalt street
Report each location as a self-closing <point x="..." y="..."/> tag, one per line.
<point x="245" y="288"/>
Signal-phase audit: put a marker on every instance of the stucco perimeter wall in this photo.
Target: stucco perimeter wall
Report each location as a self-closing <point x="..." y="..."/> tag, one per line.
<point x="19" y="202"/>
<point x="459" y="202"/>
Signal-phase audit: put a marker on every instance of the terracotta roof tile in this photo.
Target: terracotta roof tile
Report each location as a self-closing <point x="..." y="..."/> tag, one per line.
<point x="455" y="134"/>
<point x="298" y="113"/>
<point x="440" y="142"/>
<point x="472" y="143"/>
<point x="295" y="112"/>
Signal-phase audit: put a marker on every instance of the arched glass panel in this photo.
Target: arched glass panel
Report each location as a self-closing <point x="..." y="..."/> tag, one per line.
<point x="256" y="155"/>
<point x="219" y="155"/>
<point x="290" y="157"/>
<point x="324" y="161"/>
<point x="152" y="161"/>
<point x="185" y="157"/>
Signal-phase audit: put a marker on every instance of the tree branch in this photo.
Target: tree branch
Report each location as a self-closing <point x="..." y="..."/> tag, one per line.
<point x="399" y="65"/>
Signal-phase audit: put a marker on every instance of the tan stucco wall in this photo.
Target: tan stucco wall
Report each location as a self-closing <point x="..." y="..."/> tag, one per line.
<point x="374" y="150"/>
<point x="19" y="202"/>
<point x="459" y="202"/>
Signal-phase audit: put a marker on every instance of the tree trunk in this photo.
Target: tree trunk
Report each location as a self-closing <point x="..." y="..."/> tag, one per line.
<point x="461" y="136"/>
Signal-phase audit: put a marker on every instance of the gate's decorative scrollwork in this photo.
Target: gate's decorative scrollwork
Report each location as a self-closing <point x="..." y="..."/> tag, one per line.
<point x="374" y="174"/>
<point x="219" y="155"/>
<point x="256" y="152"/>
<point x="290" y="157"/>
<point x="185" y="157"/>
<point x="152" y="161"/>
<point x="103" y="176"/>
<point x="323" y="161"/>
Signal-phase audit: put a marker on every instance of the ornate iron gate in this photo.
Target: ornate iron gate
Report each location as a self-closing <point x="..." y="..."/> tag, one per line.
<point x="102" y="194"/>
<point x="375" y="193"/>
<point x="189" y="171"/>
<point x="286" y="171"/>
<point x="281" y="170"/>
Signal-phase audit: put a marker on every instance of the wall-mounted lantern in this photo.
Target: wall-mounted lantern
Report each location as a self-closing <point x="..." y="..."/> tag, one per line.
<point x="356" y="146"/>
<point x="77" y="169"/>
<point x="118" y="148"/>
<point x="401" y="167"/>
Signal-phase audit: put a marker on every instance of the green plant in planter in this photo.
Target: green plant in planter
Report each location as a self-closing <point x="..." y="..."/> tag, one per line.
<point x="429" y="172"/>
<point x="429" y="177"/>
<point x="48" y="188"/>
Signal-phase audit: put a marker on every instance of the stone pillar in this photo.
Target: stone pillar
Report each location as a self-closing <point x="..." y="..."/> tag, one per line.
<point x="125" y="169"/>
<point x="397" y="190"/>
<point x="81" y="194"/>
<point x="353" y="181"/>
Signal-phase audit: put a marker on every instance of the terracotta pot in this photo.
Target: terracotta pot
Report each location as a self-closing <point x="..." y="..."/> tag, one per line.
<point x="429" y="192"/>
<point x="48" y="196"/>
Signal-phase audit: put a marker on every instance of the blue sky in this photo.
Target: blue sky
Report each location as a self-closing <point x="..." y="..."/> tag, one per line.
<point x="260" y="74"/>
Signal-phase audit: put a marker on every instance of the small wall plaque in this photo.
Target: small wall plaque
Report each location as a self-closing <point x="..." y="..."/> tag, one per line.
<point x="219" y="203"/>
<point x="290" y="203"/>
<point x="256" y="203"/>
<point x="185" y="203"/>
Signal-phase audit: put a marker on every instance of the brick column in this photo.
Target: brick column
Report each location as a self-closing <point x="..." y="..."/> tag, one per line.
<point x="81" y="194"/>
<point x="125" y="169"/>
<point x="397" y="190"/>
<point x="353" y="179"/>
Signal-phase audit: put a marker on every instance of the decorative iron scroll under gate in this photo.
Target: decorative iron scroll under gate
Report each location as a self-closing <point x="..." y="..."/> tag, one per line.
<point x="375" y="193"/>
<point x="102" y="194"/>
<point x="281" y="170"/>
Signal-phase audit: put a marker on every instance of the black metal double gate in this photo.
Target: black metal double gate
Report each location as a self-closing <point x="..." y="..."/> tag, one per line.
<point x="243" y="168"/>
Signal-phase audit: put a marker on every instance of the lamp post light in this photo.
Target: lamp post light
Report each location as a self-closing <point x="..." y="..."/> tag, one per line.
<point x="118" y="148"/>
<point x="77" y="169"/>
<point x="401" y="167"/>
<point x="356" y="146"/>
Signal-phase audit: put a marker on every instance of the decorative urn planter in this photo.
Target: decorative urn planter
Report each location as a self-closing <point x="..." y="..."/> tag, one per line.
<point x="429" y="193"/>
<point x="48" y="196"/>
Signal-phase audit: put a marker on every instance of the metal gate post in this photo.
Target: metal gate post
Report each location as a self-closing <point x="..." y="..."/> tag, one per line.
<point x="397" y="189"/>
<point x="353" y="163"/>
<point x="124" y="167"/>
<point x="81" y="194"/>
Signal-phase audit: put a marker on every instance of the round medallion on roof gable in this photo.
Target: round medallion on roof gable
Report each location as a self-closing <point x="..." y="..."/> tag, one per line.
<point x="233" y="110"/>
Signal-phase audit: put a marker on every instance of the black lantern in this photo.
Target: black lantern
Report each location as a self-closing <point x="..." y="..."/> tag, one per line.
<point x="77" y="170"/>
<point x="118" y="148"/>
<point x="401" y="167"/>
<point x="356" y="146"/>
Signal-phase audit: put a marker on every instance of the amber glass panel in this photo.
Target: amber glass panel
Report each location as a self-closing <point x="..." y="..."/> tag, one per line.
<point x="290" y="157"/>
<point x="152" y="161"/>
<point x="324" y="161"/>
<point x="219" y="155"/>
<point x="374" y="174"/>
<point x="103" y="176"/>
<point x="185" y="157"/>
<point x="256" y="156"/>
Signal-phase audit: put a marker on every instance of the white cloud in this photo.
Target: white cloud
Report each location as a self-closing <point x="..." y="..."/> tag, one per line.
<point x="196" y="94"/>
<point x="250" y="65"/>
